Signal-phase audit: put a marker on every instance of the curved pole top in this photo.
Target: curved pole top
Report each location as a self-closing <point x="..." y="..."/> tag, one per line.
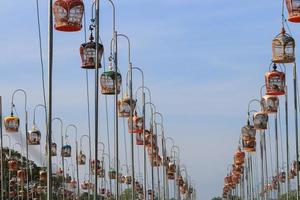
<point x="13" y="95"/>
<point x="35" y="108"/>
<point x="69" y="126"/>
<point x="82" y="138"/>
<point x="161" y="117"/>
<point x="143" y="87"/>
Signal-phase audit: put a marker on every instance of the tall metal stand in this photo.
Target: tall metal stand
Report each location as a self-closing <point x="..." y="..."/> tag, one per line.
<point x="2" y="161"/>
<point x="49" y="133"/>
<point x="262" y="162"/>
<point x="287" y="143"/>
<point x="277" y="154"/>
<point x="97" y="7"/>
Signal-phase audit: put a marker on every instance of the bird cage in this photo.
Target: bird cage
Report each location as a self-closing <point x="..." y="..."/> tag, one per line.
<point x="282" y="177"/>
<point x="179" y="180"/>
<point x="12" y="194"/>
<point x="126" y="105"/>
<point x="275" y="82"/>
<point x="34" y="136"/>
<point x="102" y="191"/>
<point x="139" y="140"/>
<point x="43" y="175"/>
<point x="68" y="15"/>
<point x="73" y="184"/>
<point x="68" y="178"/>
<point x="12" y="165"/>
<point x="171" y="176"/>
<point x="138" y="124"/>
<point x="59" y="171"/>
<point x="112" y="174"/>
<point x="171" y="167"/>
<point x="122" y="179"/>
<point x="66" y="151"/>
<point x="128" y="180"/>
<point x="108" y="81"/>
<point x="270" y="104"/>
<point x="101" y="172"/>
<point x="85" y="185"/>
<point x="293" y="7"/>
<point x="239" y="157"/>
<point x="21" y="175"/>
<point x="260" y="120"/>
<point x="283" y="46"/>
<point x="12" y="182"/>
<point x="11" y="123"/>
<point x="148" y="137"/>
<point x="88" y="54"/>
<point x="248" y="138"/>
<point x="53" y="149"/>
<point x="81" y="158"/>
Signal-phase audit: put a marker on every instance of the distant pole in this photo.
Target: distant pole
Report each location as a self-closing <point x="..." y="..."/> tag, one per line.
<point x="287" y="143"/>
<point x="2" y="161"/>
<point x="277" y="154"/>
<point x="49" y="133"/>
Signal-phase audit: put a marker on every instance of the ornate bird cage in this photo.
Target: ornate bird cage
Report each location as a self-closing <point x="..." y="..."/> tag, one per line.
<point x="128" y="180"/>
<point x="81" y="158"/>
<point x="21" y="175"/>
<point x="138" y="124"/>
<point x="149" y="138"/>
<point x="73" y="183"/>
<point x="239" y="157"/>
<point x="12" y="165"/>
<point x="270" y="104"/>
<point x="260" y="120"/>
<point x="283" y="46"/>
<point x="126" y="106"/>
<point x="68" y="15"/>
<point x="34" y="136"/>
<point x="248" y="138"/>
<point x="101" y="172"/>
<point x="171" y="167"/>
<point x="85" y="185"/>
<point x="139" y="140"/>
<point x="275" y="82"/>
<point x="88" y="54"/>
<point x="53" y="149"/>
<point x="112" y="174"/>
<point x="68" y="178"/>
<point x="66" y="151"/>
<point x="293" y="7"/>
<point x="11" y="123"/>
<point x="282" y="176"/>
<point x="171" y="176"/>
<point x="43" y="175"/>
<point x="122" y="179"/>
<point x="108" y="82"/>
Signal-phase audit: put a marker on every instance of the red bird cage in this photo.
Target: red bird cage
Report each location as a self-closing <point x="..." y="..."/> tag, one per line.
<point x="126" y="105"/>
<point x="293" y="7"/>
<point x="283" y="48"/>
<point x="138" y="124"/>
<point x="275" y="82"/>
<point x="88" y="54"/>
<point x="68" y="15"/>
<point x="239" y="157"/>
<point x="139" y="140"/>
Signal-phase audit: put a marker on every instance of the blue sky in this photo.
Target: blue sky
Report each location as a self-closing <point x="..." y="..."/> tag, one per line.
<point x="203" y="61"/>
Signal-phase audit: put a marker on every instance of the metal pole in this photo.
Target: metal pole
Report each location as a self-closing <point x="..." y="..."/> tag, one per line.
<point x="277" y="154"/>
<point x="262" y="162"/>
<point x="287" y="143"/>
<point x="49" y="133"/>
<point x="157" y="168"/>
<point x="97" y="7"/>
<point x="296" y="122"/>
<point x="77" y="169"/>
<point x="2" y="161"/>
<point x="145" y="161"/>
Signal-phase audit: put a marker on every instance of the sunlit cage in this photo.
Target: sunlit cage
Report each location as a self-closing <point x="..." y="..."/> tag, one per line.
<point x="283" y="46"/>
<point x="34" y="136"/>
<point x="260" y="120"/>
<point x="66" y="151"/>
<point x="269" y="104"/>
<point x="128" y="180"/>
<point x="112" y="174"/>
<point x="293" y="7"/>
<point x="13" y="165"/>
<point x="239" y="157"/>
<point x="53" y="149"/>
<point x="156" y="161"/>
<point x="150" y="138"/>
<point x="183" y="188"/>
<point x="179" y="180"/>
<point x="248" y="138"/>
<point x="237" y="169"/>
<point x="21" y="175"/>
<point x="138" y="124"/>
<point x="11" y="123"/>
<point x="108" y="80"/>
<point x="81" y="158"/>
<point x="88" y="54"/>
<point x="126" y="105"/>
<point x="68" y="15"/>
<point x="275" y="82"/>
<point x="43" y="175"/>
<point x="171" y="167"/>
<point x="171" y="176"/>
<point x="139" y="139"/>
